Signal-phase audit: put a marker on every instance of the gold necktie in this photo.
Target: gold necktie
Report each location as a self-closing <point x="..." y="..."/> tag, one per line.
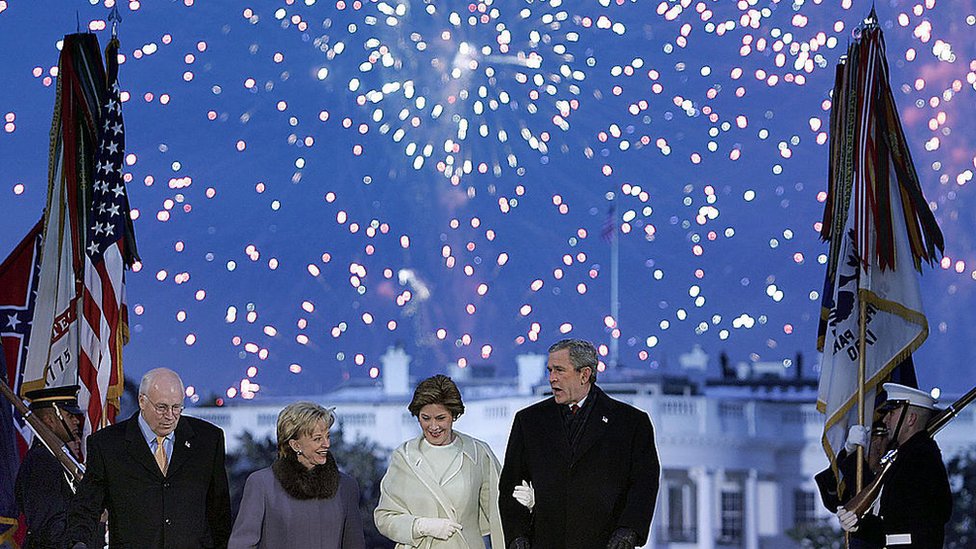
<point x="161" y="454"/>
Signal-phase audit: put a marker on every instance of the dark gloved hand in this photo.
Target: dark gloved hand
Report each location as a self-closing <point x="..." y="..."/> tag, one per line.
<point x="520" y="543"/>
<point x="623" y="538"/>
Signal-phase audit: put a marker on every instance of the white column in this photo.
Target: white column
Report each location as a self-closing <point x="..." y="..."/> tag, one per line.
<point x="396" y="372"/>
<point x="531" y="371"/>
<point x="705" y="481"/>
<point x="752" y="511"/>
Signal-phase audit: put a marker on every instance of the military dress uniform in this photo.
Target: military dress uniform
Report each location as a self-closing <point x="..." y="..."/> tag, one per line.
<point x="868" y="534"/>
<point x="916" y="502"/>
<point x="42" y="493"/>
<point x="41" y="490"/>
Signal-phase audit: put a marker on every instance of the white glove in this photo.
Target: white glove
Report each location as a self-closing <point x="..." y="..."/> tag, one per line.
<point x="848" y="520"/>
<point x="440" y="528"/>
<point x="525" y="494"/>
<point x="857" y="435"/>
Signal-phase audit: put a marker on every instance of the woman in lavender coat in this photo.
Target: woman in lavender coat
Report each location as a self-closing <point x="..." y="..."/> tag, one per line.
<point x="302" y="500"/>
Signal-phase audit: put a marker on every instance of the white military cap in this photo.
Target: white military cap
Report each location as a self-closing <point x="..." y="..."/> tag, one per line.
<point x="899" y="394"/>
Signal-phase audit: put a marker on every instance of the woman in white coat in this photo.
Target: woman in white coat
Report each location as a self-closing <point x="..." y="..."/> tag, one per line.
<point x="441" y="489"/>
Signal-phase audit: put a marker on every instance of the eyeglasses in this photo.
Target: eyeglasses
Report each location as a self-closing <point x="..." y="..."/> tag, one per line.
<point x="161" y="409"/>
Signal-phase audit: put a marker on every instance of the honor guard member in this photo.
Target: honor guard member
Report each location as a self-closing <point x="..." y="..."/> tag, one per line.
<point x="868" y="534"/>
<point x="915" y="502"/>
<point x="42" y="488"/>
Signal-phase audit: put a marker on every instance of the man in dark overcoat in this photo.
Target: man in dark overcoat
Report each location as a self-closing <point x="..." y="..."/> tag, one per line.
<point x="159" y="474"/>
<point x="915" y="502"/>
<point x="588" y="461"/>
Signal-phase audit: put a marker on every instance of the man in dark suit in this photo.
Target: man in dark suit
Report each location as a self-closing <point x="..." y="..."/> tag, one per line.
<point x="159" y="474"/>
<point x="587" y="461"/>
<point x="42" y="490"/>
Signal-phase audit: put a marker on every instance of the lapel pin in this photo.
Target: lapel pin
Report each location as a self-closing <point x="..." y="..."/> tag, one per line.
<point x="187" y="443"/>
<point x="605" y="420"/>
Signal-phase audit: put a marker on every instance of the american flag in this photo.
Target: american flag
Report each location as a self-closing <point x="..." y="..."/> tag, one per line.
<point x="108" y="251"/>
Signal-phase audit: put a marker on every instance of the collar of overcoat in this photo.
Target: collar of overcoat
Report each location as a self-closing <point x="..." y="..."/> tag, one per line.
<point x="600" y="417"/>
<point x="136" y="446"/>
<point x="415" y="460"/>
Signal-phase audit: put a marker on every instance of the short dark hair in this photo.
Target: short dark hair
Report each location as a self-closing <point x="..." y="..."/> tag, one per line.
<point x="438" y="389"/>
<point x="582" y="354"/>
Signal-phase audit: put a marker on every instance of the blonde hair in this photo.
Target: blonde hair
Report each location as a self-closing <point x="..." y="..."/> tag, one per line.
<point x="299" y="419"/>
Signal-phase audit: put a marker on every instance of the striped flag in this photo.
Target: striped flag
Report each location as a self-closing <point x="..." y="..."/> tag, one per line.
<point x="79" y="322"/>
<point x="108" y="251"/>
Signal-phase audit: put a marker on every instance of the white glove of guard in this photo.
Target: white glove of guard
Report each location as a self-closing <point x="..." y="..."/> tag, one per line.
<point x="440" y="528"/>
<point x="857" y="435"/>
<point x="848" y="520"/>
<point x="525" y="494"/>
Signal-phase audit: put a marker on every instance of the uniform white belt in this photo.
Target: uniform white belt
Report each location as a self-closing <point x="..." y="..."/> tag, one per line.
<point x="898" y="539"/>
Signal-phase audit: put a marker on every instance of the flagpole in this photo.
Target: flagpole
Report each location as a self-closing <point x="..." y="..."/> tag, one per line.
<point x="861" y="366"/>
<point x="870" y="22"/>
<point x="614" y="289"/>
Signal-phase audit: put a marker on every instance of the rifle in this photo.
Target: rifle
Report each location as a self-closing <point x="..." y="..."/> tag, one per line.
<point x="861" y="501"/>
<point x="58" y="449"/>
